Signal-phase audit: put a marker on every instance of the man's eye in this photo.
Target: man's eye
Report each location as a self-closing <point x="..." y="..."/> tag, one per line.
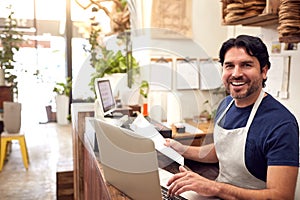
<point x="247" y="65"/>
<point x="228" y="66"/>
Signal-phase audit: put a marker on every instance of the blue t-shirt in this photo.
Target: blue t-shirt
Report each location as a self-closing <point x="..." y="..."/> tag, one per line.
<point x="273" y="137"/>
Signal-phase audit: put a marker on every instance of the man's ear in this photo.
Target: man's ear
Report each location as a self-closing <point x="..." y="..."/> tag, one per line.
<point x="264" y="71"/>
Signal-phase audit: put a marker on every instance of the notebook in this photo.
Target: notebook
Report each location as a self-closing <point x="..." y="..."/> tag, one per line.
<point x="129" y="163"/>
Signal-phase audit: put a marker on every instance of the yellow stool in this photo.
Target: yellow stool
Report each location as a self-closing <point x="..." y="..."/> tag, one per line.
<point x="8" y="137"/>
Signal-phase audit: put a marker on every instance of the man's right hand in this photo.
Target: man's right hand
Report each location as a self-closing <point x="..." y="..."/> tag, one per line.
<point x="177" y="146"/>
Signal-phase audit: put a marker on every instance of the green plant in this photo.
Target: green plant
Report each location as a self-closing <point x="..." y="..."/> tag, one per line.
<point x="63" y="88"/>
<point x="219" y="94"/>
<point x="144" y="89"/>
<point x="106" y="61"/>
<point x="11" y="39"/>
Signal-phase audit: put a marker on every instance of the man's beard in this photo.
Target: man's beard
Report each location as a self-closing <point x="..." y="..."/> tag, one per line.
<point x="238" y="95"/>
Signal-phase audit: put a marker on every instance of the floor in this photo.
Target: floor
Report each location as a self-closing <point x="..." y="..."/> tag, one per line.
<point x="48" y="145"/>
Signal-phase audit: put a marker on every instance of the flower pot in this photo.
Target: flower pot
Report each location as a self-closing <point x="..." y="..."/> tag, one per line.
<point x="62" y="109"/>
<point x="12" y="116"/>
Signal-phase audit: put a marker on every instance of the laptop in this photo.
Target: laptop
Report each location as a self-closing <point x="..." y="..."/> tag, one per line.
<point x="129" y="163"/>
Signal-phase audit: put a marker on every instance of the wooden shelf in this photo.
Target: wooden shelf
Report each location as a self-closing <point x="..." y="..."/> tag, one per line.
<point x="265" y="17"/>
<point x="259" y="20"/>
<point x="290" y="39"/>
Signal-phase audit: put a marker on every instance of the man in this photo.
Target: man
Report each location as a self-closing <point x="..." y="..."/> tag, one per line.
<point x="256" y="139"/>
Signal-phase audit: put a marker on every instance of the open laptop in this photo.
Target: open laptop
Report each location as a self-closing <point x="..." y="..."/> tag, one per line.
<point x="130" y="163"/>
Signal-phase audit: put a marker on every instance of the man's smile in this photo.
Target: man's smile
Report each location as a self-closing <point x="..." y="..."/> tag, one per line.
<point x="238" y="83"/>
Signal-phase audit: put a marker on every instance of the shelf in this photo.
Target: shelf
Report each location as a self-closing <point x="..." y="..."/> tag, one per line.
<point x="290" y="39"/>
<point x="258" y="20"/>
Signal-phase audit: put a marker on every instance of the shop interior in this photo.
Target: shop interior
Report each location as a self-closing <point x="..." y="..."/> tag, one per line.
<point x="160" y="58"/>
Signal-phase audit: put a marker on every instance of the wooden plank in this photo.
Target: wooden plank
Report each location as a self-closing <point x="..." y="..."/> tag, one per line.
<point x="259" y="20"/>
<point x="290" y="39"/>
<point x="64" y="185"/>
<point x="78" y="148"/>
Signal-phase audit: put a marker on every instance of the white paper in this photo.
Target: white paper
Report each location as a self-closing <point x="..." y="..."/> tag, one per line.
<point x="187" y="75"/>
<point x="210" y="75"/>
<point x="275" y="78"/>
<point x="161" y="76"/>
<point x="141" y="126"/>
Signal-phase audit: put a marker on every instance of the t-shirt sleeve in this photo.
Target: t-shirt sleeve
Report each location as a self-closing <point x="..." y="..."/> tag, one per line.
<point x="282" y="147"/>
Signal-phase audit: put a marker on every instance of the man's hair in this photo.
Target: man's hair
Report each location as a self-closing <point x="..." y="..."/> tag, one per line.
<point x="254" y="46"/>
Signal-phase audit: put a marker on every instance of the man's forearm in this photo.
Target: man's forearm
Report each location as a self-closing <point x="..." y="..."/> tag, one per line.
<point x="204" y="153"/>
<point x="227" y="191"/>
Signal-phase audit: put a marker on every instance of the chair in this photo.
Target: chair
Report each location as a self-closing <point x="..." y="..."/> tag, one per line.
<point x="12" y="124"/>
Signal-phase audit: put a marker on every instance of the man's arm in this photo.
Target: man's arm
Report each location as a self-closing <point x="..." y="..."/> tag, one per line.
<point x="206" y="153"/>
<point x="281" y="184"/>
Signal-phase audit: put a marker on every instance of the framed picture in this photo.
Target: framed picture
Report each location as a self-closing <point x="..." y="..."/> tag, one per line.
<point x="172" y="19"/>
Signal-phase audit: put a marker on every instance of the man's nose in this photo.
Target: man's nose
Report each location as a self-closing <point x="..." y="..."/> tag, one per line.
<point x="237" y="71"/>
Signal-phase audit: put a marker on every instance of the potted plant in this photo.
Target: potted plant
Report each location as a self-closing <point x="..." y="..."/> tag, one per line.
<point x="62" y="100"/>
<point x="11" y="40"/>
<point x="107" y="62"/>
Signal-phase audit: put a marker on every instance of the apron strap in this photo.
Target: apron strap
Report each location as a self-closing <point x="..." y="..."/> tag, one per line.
<point x="254" y="109"/>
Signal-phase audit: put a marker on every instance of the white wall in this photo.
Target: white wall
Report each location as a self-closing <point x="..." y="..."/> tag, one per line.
<point x="208" y="34"/>
<point x="207" y="26"/>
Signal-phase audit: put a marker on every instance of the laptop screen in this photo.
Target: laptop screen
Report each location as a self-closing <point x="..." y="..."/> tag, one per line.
<point x="105" y="95"/>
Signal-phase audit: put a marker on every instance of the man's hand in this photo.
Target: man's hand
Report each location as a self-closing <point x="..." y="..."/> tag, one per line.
<point x="190" y="181"/>
<point x="177" y="146"/>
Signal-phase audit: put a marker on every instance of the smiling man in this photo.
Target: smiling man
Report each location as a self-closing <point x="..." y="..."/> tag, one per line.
<point x="256" y="139"/>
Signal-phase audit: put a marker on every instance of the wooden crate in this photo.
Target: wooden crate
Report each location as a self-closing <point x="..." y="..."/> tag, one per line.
<point x="65" y="181"/>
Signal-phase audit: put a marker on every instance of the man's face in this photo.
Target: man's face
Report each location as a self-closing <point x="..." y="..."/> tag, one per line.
<point x="242" y="76"/>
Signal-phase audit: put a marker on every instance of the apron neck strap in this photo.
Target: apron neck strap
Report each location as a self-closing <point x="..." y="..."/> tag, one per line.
<point x="253" y="111"/>
<point x="255" y="107"/>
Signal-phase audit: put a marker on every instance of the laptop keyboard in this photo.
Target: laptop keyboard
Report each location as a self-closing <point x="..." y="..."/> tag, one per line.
<point x="165" y="196"/>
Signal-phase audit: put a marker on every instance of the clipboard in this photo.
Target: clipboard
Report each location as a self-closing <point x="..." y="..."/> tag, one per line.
<point x="210" y="74"/>
<point x="278" y="76"/>
<point x="161" y="74"/>
<point x="187" y="74"/>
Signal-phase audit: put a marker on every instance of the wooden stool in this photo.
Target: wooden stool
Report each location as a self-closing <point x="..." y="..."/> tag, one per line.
<point x="8" y="137"/>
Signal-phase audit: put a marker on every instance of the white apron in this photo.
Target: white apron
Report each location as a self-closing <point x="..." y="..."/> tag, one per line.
<point x="230" y="148"/>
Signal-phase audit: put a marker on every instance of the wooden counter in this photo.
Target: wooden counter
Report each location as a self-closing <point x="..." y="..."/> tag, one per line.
<point x="195" y="139"/>
<point x="89" y="182"/>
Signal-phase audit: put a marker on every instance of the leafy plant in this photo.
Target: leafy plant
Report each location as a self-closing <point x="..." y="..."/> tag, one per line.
<point x="63" y="88"/>
<point x="144" y="89"/>
<point x="11" y="39"/>
<point x="211" y="113"/>
<point x="106" y="61"/>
